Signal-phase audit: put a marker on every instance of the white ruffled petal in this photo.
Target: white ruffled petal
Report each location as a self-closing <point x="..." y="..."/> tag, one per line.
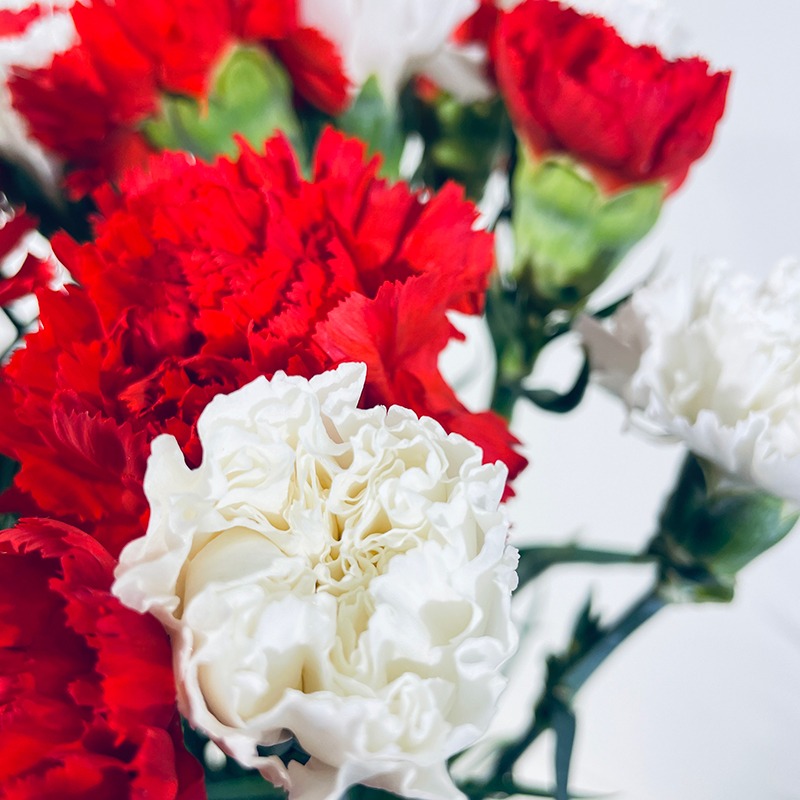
<point x="334" y="574"/>
<point x="715" y="362"/>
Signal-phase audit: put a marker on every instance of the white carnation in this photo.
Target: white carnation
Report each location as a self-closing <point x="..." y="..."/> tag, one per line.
<point x="336" y="573"/>
<point x="396" y="39"/>
<point x="715" y="362"/>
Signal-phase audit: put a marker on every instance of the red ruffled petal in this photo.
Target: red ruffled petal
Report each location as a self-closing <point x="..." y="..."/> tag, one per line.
<point x="572" y="84"/>
<point x="87" y="696"/>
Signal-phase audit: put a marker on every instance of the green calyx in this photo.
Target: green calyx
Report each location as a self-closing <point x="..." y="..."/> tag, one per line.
<point x="713" y="526"/>
<point x="569" y="235"/>
<point x="376" y="122"/>
<point x="251" y="96"/>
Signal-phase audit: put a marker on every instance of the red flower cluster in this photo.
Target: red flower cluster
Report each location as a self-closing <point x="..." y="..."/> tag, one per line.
<point x="203" y="277"/>
<point x="87" y="697"/>
<point x="88" y="104"/>
<point x="572" y="84"/>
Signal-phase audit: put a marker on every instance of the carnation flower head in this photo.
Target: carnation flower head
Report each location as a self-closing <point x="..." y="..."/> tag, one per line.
<point x="574" y="86"/>
<point x="89" y="104"/>
<point x="333" y="573"/>
<point x="87" y="698"/>
<point x="714" y="361"/>
<point x="202" y="277"/>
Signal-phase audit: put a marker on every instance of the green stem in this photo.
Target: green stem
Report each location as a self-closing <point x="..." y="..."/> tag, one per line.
<point x="568" y="673"/>
<point x="533" y="561"/>
<point x="518" y="340"/>
<point x="504" y="398"/>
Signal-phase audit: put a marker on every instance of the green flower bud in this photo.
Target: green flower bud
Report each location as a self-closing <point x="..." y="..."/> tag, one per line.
<point x="713" y="525"/>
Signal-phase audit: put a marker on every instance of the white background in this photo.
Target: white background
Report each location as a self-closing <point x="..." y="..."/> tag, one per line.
<point x="702" y="703"/>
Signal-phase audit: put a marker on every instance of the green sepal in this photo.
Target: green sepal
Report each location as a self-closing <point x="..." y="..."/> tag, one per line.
<point x="717" y="526"/>
<point x="251" y="96"/>
<point x="377" y="123"/>
<point x="568" y="234"/>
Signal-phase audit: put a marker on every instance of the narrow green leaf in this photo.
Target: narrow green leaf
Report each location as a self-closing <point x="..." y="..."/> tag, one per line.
<point x="564" y="727"/>
<point x="548" y="400"/>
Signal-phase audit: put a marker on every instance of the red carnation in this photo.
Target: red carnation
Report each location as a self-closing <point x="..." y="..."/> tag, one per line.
<point x="573" y="85"/>
<point x="88" y="105"/>
<point x="87" y="696"/>
<point x="203" y="277"/>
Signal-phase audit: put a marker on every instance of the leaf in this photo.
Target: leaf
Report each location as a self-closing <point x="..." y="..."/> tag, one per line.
<point x="611" y="309"/>
<point x="564" y="724"/>
<point x="587" y="628"/>
<point x="548" y="400"/>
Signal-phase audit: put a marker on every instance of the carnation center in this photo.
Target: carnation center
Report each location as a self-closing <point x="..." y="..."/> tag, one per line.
<point x="307" y="521"/>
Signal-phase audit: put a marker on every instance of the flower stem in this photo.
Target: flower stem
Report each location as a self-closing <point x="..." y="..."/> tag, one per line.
<point x="568" y="673"/>
<point x="517" y="334"/>
<point x="533" y="561"/>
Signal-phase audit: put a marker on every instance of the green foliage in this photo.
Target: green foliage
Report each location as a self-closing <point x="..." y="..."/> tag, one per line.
<point x="251" y="96"/>
<point x="463" y="141"/>
<point x="378" y="124"/>
<point x="557" y="403"/>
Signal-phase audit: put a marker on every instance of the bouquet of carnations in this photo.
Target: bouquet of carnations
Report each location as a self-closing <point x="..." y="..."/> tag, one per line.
<point x="255" y="541"/>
